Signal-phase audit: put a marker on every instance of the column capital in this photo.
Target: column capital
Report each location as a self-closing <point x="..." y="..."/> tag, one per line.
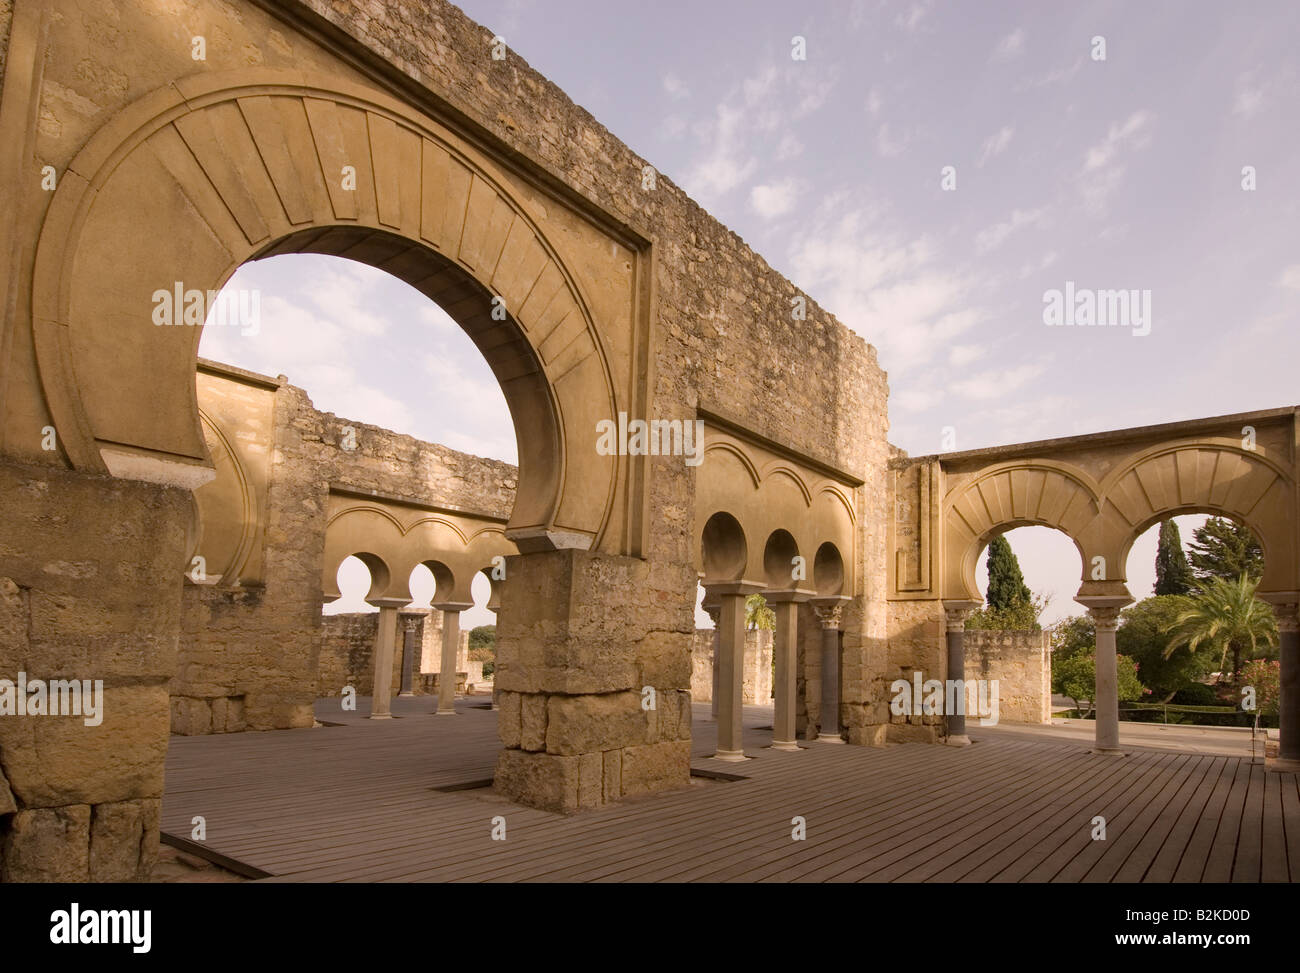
<point x="395" y="603"/>
<point x="776" y="596"/>
<point x="1105" y="617"/>
<point x="1286" y="606"/>
<point x="829" y="610"/>
<point x="720" y="588"/>
<point x="956" y="612"/>
<point x="411" y="623"/>
<point x="714" y="612"/>
<point x="453" y="606"/>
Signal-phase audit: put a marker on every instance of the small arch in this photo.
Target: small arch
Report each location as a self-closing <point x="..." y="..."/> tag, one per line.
<point x="724" y="549"/>
<point x="444" y="580"/>
<point x="778" y="560"/>
<point x="379" y="573"/>
<point x="828" y="571"/>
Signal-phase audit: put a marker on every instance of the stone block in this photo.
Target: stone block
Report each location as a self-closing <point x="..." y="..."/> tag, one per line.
<point x="118" y="834"/>
<point x="509" y="715"/>
<point x="582" y="724"/>
<point x="47" y="844"/>
<point x="532" y="721"/>
<point x="612" y="761"/>
<point x="656" y="767"/>
<point x="591" y="780"/>
<point x="541" y="780"/>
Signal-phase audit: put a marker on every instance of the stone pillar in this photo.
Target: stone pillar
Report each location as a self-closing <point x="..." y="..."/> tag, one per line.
<point x="715" y="613"/>
<point x="785" y="642"/>
<point x="1288" y="749"/>
<point x="408" y="657"/>
<point x="581" y="635"/>
<point x="828" y="613"/>
<point x="731" y="675"/>
<point x="955" y="615"/>
<point x="450" y="649"/>
<point x="496" y="692"/>
<point x="381" y="690"/>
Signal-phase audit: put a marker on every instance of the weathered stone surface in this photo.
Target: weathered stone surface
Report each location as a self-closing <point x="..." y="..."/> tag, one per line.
<point x="543" y="780"/>
<point x="591" y="780"/>
<point x="533" y="721"/>
<point x="120" y="839"/>
<point x="656" y="767"/>
<point x="7" y="803"/>
<point x="582" y="724"/>
<point x="48" y="844"/>
<point x="612" y="782"/>
<point x="509" y="718"/>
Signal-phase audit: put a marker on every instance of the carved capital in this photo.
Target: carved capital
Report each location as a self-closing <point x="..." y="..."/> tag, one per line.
<point x="955" y="618"/>
<point x="1105" y="619"/>
<point x="829" y="615"/>
<point x="411" y="624"/>
<point x="715" y="613"/>
<point x="1288" y="616"/>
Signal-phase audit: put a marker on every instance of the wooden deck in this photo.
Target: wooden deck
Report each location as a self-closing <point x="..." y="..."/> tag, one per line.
<point x="357" y="803"/>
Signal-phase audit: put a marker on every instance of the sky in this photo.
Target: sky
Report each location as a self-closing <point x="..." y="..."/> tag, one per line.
<point x="1117" y="173"/>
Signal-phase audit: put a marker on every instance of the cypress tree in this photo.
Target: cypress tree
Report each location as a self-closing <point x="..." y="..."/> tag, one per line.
<point x="1225" y="549"/>
<point x="1173" y="574"/>
<point x="1007" y="589"/>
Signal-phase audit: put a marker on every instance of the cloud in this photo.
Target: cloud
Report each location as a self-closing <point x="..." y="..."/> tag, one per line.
<point x="1249" y="98"/>
<point x="1290" y="278"/>
<point x="791" y="147"/>
<point x="874" y="101"/>
<point x="992" y="237"/>
<point x="775" y="199"/>
<point x="726" y="162"/>
<point x="910" y="19"/>
<point x="675" y="87"/>
<point x="995" y="144"/>
<point x="1010" y="47"/>
<point x="1102" y="171"/>
<point x="996" y="383"/>
<point x="890" y="146"/>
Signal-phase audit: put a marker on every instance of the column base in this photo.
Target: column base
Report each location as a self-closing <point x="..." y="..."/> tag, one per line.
<point x="829" y="738"/>
<point x="1282" y="765"/>
<point x="445" y="712"/>
<point x="400" y="695"/>
<point x="785" y="745"/>
<point x="961" y="740"/>
<point x="734" y="756"/>
<point x="1108" y="751"/>
<point x="380" y="716"/>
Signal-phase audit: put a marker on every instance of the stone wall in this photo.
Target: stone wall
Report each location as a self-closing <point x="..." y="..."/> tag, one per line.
<point x="1022" y="664"/>
<point x="757" y="686"/>
<point x="251" y="641"/>
<point x="348" y="645"/>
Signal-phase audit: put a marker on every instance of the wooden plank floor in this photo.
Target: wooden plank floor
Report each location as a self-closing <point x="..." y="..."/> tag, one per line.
<point x="355" y="802"/>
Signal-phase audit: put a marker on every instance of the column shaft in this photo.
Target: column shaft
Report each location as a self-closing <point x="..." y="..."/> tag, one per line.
<point x="784" y="642"/>
<point x="957" y="670"/>
<point x="447" y="667"/>
<point x="1106" y="703"/>
<point x="731" y="648"/>
<point x="408" y="658"/>
<point x="1289" y="705"/>
<point x="382" y="664"/>
<point x="830" y="715"/>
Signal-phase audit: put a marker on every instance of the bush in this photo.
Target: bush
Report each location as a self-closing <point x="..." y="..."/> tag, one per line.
<point x="1196" y="694"/>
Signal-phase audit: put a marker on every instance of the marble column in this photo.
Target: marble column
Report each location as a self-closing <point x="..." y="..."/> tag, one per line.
<point x="955" y="615"/>
<point x="408" y="657"/>
<point x="382" y="662"/>
<point x="1106" y="703"/>
<point x="731" y="662"/>
<point x="1288" y="749"/>
<point x="828" y="612"/>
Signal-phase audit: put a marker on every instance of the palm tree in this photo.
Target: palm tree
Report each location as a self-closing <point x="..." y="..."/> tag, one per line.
<point x="758" y="614"/>
<point x="1226" y="615"/>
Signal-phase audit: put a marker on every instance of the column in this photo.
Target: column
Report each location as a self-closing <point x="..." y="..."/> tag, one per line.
<point x="715" y="613"/>
<point x="450" y="648"/>
<point x="785" y="642"/>
<point x="408" y="658"/>
<point x="1288" y="750"/>
<point x="381" y="690"/>
<point x="828" y="613"/>
<point x="496" y="693"/>
<point x="731" y="662"/>
<point x="1106" y="704"/>
<point x="955" y="615"/>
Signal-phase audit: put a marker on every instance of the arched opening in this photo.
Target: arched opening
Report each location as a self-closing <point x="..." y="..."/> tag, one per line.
<point x="724" y="551"/>
<point x="828" y="571"/>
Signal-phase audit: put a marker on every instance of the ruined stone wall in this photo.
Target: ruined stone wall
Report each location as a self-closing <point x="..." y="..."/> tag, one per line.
<point x="1022" y="664"/>
<point x="348" y="648"/>
<point x="90" y="574"/>
<point x="757" y="669"/>
<point x="916" y="643"/>
<point x="250" y="646"/>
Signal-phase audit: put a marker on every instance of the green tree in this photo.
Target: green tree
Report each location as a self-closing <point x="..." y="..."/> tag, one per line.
<point x="1265" y="677"/>
<point x="483" y="637"/>
<point x="1143" y="637"/>
<point x="758" y="614"/>
<point x="1071" y="636"/>
<point x="1076" y="677"/>
<point x="1226" y="616"/>
<point x="1226" y="550"/>
<point x="1007" y="589"/>
<point x="1173" y="573"/>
